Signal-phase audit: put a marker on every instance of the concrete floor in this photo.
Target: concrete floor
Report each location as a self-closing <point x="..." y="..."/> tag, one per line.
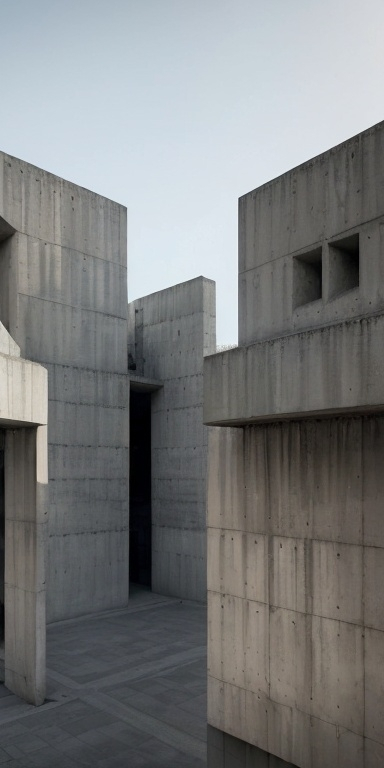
<point x="126" y="688"/>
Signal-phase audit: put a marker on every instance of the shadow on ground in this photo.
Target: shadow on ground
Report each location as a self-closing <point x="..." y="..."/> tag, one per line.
<point x="125" y="689"/>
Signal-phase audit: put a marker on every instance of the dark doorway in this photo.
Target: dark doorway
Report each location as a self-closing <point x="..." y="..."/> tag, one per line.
<point x="140" y="532"/>
<point x="2" y="534"/>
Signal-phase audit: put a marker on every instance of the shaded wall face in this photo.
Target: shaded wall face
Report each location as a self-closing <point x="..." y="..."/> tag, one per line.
<point x="65" y="305"/>
<point x="296" y="618"/>
<point x="174" y="328"/>
<point x="2" y="530"/>
<point x="23" y="519"/>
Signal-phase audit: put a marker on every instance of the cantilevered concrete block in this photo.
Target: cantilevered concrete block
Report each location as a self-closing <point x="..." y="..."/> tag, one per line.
<point x="23" y="417"/>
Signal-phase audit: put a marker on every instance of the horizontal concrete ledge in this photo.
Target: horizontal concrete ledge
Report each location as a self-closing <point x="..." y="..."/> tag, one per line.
<point x="143" y="384"/>
<point x="13" y="424"/>
<point x="24" y="392"/>
<point x="268" y="418"/>
<point x="334" y="370"/>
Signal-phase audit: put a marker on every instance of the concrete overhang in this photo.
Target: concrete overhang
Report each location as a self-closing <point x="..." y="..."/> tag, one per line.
<point x="6" y="229"/>
<point x="12" y="424"/>
<point x="143" y="384"/>
<point x="23" y="392"/>
<point x="335" y="370"/>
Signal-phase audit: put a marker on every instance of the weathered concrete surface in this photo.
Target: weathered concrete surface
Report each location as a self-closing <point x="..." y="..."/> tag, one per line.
<point x="337" y="369"/>
<point x="296" y="616"/>
<point x="334" y="195"/>
<point x="26" y="514"/>
<point x="23" y="418"/>
<point x="63" y="298"/>
<point x="23" y="386"/>
<point x="7" y="344"/>
<point x="170" y="332"/>
<point x="295" y="533"/>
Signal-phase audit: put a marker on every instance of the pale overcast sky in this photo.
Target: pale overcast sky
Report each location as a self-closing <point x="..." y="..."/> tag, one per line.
<point x="175" y="108"/>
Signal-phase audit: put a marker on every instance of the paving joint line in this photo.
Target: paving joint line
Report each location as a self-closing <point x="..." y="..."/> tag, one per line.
<point x="160" y="730"/>
<point x="148" y="669"/>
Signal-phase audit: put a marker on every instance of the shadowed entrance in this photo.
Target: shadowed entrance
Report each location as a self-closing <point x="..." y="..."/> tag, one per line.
<point x="140" y="489"/>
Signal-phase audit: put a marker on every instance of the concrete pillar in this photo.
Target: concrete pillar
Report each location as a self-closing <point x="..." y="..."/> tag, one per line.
<point x="26" y="508"/>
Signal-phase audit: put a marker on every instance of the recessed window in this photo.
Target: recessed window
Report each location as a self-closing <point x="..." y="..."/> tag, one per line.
<point x="307" y="278"/>
<point x="344" y="265"/>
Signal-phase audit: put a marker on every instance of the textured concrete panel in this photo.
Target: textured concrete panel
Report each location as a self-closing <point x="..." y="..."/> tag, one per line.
<point x="373" y="754"/>
<point x="51" y="209"/>
<point x="238" y="564"/>
<point x="96" y="461"/>
<point x="86" y="387"/>
<point x="290" y="658"/>
<point x="338" y="673"/>
<point x="71" y="335"/>
<point x="26" y="513"/>
<point x="309" y="580"/>
<point x="24" y="391"/>
<point x="373" y="456"/>
<point x="25" y="650"/>
<point x="64" y="300"/>
<point x="225" y="493"/>
<point x="172" y="330"/>
<point x="78" y="588"/>
<point x="373" y="597"/>
<point x="53" y="273"/>
<point x="179" y="561"/>
<point x="338" y="581"/>
<point x="309" y="372"/>
<point x="285" y="731"/>
<point x="309" y="207"/>
<point x="237" y="624"/>
<point x="374" y="702"/>
<point x="339" y="370"/>
<point x="287" y="573"/>
<point x="74" y="424"/>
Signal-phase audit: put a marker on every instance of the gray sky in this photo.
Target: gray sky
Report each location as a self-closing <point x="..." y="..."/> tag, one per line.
<point x="175" y="108"/>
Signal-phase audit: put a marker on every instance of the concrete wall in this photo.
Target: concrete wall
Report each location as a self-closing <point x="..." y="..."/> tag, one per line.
<point x="174" y="328"/>
<point x="296" y="613"/>
<point x="63" y="297"/>
<point x="226" y="750"/>
<point x="309" y="209"/>
<point x="23" y="431"/>
<point x="295" y="529"/>
<point x="339" y="369"/>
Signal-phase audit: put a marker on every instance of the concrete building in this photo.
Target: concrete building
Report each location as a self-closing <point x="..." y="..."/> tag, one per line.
<point x="63" y="306"/>
<point x="169" y="333"/>
<point x="64" y="302"/>
<point x="296" y="488"/>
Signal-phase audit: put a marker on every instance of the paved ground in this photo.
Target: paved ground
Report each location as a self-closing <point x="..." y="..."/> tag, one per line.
<point x="126" y="688"/>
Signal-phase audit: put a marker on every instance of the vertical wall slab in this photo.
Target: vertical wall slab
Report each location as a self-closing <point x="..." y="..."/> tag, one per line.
<point x="63" y="297"/>
<point x="174" y="329"/>
<point x="26" y="514"/>
<point x="23" y="418"/>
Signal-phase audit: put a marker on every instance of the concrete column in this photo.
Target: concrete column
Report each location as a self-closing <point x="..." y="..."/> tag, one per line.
<point x="26" y="491"/>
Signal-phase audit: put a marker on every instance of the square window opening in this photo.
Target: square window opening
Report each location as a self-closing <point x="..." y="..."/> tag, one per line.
<point x="344" y="265"/>
<point x="307" y="278"/>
